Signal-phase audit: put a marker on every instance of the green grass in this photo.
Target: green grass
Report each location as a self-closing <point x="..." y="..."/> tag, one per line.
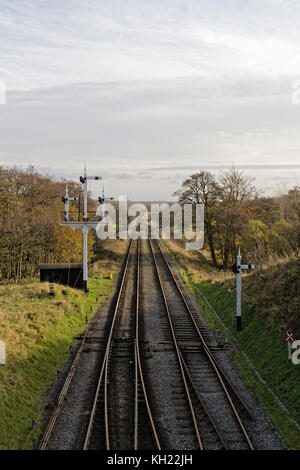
<point x="262" y="342"/>
<point x="38" y="331"/>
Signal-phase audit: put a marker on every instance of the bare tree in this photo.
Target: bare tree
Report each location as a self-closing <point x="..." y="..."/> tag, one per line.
<point x="228" y="202"/>
<point x="236" y="206"/>
<point x="202" y="188"/>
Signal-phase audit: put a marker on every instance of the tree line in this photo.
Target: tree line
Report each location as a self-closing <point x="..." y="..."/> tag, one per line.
<point x="235" y="215"/>
<point x="30" y="211"/>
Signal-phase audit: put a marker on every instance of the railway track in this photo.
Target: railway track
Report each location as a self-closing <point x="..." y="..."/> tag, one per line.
<point x="58" y="407"/>
<point x="200" y="372"/>
<point x="121" y="417"/>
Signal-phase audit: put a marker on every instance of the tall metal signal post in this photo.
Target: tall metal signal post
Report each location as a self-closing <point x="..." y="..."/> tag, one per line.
<point x="237" y="269"/>
<point x="85" y="224"/>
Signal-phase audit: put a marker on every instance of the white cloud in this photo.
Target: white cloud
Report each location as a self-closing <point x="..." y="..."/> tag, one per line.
<point x="58" y="43"/>
<point x="130" y="85"/>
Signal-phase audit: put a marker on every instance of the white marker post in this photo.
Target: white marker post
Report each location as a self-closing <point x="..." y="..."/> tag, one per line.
<point x="85" y="225"/>
<point x="237" y="269"/>
<point x="2" y="353"/>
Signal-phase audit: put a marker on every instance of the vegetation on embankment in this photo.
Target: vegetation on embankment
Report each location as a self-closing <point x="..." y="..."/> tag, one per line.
<point x="38" y="331"/>
<point x="30" y="210"/>
<point x="270" y="306"/>
<point x="236" y="216"/>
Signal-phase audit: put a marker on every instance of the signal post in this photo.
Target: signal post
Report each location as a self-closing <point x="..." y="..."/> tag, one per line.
<point x="86" y="224"/>
<point x="237" y="268"/>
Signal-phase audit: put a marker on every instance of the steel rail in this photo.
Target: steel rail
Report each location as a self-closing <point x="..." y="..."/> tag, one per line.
<point x="54" y="415"/>
<point x="178" y="353"/>
<point x="104" y="368"/>
<point x="206" y="348"/>
<point x="199" y="398"/>
<point x="138" y="364"/>
<point x="136" y="404"/>
<point x="104" y="373"/>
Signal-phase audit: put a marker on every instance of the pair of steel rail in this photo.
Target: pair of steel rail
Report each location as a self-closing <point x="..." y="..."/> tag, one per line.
<point x="139" y="378"/>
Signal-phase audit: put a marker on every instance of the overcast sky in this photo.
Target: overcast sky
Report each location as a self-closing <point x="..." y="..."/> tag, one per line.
<point x="149" y="91"/>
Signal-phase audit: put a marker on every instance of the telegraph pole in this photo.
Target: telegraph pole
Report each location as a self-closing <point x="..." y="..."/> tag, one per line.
<point x="85" y="225"/>
<point x="237" y="269"/>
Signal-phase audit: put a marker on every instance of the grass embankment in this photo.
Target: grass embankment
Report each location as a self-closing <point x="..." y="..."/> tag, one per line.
<point x="38" y="331"/>
<point x="271" y="301"/>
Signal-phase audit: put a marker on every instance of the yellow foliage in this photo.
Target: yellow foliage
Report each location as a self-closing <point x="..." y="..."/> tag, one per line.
<point x="68" y="244"/>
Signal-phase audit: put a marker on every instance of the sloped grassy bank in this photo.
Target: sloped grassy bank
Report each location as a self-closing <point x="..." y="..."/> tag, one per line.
<point x="270" y="306"/>
<point x="38" y="331"/>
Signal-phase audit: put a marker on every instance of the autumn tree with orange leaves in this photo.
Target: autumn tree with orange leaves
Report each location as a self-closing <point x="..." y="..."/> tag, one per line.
<point x="235" y="216"/>
<point x="30" y="234"/>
